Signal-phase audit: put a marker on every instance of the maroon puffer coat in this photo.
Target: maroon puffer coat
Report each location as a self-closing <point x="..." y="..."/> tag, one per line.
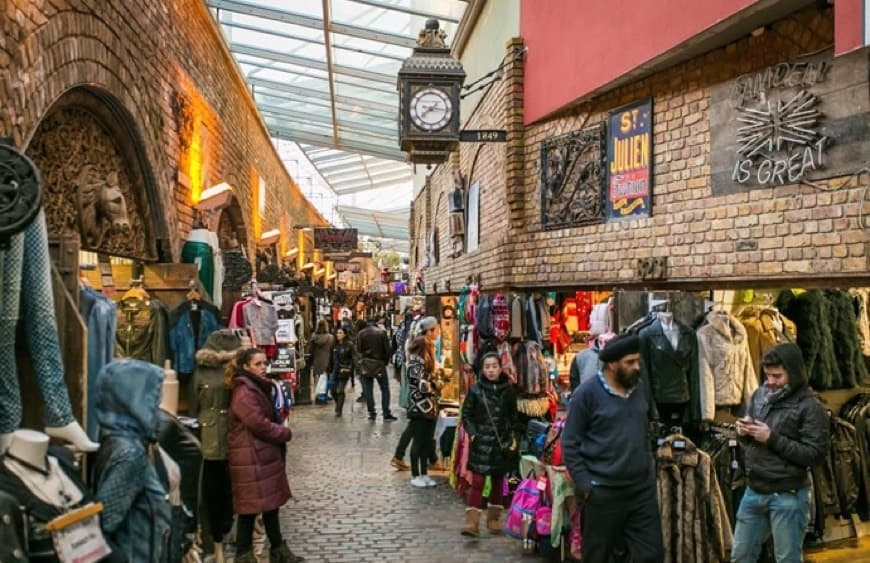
<point x="257" y="472"/>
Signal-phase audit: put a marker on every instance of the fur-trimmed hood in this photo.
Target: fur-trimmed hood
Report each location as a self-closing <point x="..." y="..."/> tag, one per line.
<point x="219" y="349"/>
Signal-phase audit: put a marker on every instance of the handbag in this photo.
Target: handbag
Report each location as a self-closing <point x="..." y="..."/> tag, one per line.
<point x="519" y="521"/>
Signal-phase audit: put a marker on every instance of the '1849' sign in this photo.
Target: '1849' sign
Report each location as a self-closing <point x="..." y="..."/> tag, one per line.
<point x="794" y="122"/>
<point x="629" y="161"/>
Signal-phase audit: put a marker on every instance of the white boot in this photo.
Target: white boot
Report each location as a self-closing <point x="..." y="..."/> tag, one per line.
<point x="75" y="435"/>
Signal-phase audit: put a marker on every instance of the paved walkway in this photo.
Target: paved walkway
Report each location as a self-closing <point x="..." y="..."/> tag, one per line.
<point x="350" y="505"/>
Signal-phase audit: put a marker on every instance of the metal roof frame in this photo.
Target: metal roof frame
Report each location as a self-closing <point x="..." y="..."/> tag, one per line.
<point x="327" y="81"/>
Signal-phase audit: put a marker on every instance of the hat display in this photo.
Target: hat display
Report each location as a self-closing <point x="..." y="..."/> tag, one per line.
<point x="619" y="347"/>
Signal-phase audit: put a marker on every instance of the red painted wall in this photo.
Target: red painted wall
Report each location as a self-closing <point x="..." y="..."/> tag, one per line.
<point x="577" y="46"/>
<point x="849" y="25"/>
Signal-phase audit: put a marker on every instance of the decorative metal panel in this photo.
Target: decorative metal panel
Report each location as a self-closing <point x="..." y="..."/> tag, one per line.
<point x="572" y="179"/>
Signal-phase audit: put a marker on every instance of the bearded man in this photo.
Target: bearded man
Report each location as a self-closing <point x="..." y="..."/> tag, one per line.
<point x="608" y="453"/>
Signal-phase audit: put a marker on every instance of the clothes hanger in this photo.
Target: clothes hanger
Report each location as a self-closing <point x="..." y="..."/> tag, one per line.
<point x="136" y="291"/>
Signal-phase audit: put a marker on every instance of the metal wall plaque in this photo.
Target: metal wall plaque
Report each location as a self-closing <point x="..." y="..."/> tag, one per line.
<point x="795" y="122"/>
<point x="629" y="161"/>
<point x="572" y="179"/>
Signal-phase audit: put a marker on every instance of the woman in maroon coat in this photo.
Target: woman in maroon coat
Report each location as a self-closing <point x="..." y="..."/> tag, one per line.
<point x="256" y="439"/>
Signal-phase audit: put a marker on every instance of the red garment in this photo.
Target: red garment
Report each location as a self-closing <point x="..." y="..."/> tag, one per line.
<point x="584" y="308"/>
<point x="257" y="472"/>
<point x="237" y="317"/>
<point x="475" y="492"/>
<point x="501" y="317"/>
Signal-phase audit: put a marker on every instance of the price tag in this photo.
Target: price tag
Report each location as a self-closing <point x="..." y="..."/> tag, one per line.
<point x="542" y="484"/>
<point x="734" y="464"/>
<point x="732" y="443"/>
<point x="680" y="444"/>
<point x="77" y="536"/>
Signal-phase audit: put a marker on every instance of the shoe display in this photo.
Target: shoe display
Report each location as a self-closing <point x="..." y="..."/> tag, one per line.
<point x="419" y="482"/>
<point x="400" y="464"/>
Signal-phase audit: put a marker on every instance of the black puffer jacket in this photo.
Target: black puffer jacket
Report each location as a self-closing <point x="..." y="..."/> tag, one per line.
<point x="486" y="456"/>
<point x="799" y="431"/>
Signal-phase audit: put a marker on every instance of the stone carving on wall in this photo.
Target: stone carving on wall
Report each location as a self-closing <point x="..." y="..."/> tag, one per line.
<point x="88" y="187"/>
<point x="572" y="179"/>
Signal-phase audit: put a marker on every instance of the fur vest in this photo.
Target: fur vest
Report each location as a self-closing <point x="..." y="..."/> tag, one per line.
<point x="695" y="524"/>
<point x="727" y="374"/>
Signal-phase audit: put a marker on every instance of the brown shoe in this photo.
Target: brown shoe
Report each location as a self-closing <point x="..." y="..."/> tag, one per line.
<point x="472" y="523"/>
<point x="400" y="464"/>
<point x="493" y="514"/>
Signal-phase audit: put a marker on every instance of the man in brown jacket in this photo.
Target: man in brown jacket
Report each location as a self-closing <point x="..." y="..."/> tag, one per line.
<point x="375" y="352"/>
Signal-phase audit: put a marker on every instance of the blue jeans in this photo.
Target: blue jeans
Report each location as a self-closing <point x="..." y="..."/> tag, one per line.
<point x="785" y="515"/>
<point x="368" y="385"/>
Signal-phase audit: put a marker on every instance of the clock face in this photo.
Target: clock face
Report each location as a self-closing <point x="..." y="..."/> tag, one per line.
<point x="431" y="109"/>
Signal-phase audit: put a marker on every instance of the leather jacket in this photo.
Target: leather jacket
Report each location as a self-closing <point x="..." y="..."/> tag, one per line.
<point x="669" y="372"/>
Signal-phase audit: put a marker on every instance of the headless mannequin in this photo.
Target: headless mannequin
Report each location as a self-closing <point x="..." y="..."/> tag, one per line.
<point x="672" y="332"/>
<point x="27" y="458"/>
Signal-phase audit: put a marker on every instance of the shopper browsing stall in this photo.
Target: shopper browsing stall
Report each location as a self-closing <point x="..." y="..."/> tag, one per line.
<point x="786" y="432"/>
<point x="256" y="461"/>
<point x="606" y="449"/>
<point x="422" y="408"/>
<point x="489" y="414"/>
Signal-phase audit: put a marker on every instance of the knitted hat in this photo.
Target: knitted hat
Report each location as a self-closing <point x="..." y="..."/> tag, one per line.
<point x="426" y="323"/>
<point x="619" y="347"/>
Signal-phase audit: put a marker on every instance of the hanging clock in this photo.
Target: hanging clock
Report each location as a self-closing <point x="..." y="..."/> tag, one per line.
<point x="431" y="109"/>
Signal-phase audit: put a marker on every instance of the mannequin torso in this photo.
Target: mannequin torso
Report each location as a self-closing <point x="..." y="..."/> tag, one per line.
<point x="27" y="459"/>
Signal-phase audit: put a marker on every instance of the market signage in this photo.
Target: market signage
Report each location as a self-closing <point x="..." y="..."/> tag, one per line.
<point x="335" y="240"/>
<point x="794" y="122"/>
<point x="629" y="161"/>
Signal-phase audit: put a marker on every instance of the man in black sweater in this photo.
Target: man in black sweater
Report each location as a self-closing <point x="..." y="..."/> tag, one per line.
<point x="607" y="451"/>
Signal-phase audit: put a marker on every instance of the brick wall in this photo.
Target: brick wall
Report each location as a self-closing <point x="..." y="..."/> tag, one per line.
<point x="146" y="55"/>
<point x="802" y="233"/>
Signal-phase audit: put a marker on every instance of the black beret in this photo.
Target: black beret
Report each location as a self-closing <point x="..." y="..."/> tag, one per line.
<point x="619" y="347"/>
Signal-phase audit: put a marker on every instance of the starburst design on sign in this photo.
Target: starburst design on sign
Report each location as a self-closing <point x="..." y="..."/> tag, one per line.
<point x="769" y="130"/>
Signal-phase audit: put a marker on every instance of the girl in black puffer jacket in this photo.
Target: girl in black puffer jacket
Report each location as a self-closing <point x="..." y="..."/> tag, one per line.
<point x="489" y="415"/>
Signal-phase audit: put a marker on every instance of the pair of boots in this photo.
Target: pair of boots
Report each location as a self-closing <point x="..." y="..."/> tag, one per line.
<point x="472" y="521"/>
<point x="280" y="554"/>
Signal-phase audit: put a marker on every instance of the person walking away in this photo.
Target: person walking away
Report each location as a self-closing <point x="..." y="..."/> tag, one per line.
<point x="415" y="327"/>
<point x="607" y="451"/>
<point x="374" y="351"/>
<point x="257" y="471"/>
<point x="489" y="414"/>
<point x="785" y="432"/>
<point x="320" y="350"/>
<point x="423" y="409"/>
<point x="343" y="361"/>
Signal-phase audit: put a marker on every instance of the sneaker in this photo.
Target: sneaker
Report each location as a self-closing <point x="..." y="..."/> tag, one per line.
<point x="430" y="482"/>
<point x="400" y="464"/>
<point x="389" y="418"/>
<point x="419" y="482"/>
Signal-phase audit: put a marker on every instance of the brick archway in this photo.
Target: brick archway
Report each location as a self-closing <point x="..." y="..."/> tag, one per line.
<point x="97" y="178"/>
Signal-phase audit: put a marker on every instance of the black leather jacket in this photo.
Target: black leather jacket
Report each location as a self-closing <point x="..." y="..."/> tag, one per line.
<point x="486" y="455"/>
<point x="799" y="439"/>
<point x="669" y="372"/>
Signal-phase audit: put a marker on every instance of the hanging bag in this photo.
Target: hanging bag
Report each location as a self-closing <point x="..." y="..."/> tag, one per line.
<point x="524" y="506"/>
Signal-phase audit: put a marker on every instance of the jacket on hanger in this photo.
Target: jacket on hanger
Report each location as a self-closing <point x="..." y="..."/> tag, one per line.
<point x="672" y="373"/>
<point x="765" y="328"/>
<point x="143" y="330"/>
<point x="861" y="297"/>
<point x="101" y="315"/>
<point x="262" y="320"/>
<point x="810" y="313"/>
<point x="727" y="377"/>
<point x="517" y="308"/>
<point x="211" y="402"/>
<point x="695" y="524"/>
<point x="190" y="328"/>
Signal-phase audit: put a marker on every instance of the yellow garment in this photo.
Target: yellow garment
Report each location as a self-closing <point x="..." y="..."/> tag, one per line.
<point x="765" y="328"/>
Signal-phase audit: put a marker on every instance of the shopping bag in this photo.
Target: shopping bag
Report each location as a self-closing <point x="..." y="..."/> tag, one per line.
<point x="524" y="506"/>
<point x="320" y="389"/>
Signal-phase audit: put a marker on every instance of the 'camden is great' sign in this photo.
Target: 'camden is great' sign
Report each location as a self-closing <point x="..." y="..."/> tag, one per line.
<point x="629" y="161"/>
<point x="797" y="121"/>
<point x="335" y="240"/>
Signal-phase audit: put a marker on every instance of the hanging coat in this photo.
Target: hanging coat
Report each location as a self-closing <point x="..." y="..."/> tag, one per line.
<point x="727" y="375"/>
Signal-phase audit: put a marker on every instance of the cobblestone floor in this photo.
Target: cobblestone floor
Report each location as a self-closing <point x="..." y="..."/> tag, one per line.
<point x="350" y="505"/>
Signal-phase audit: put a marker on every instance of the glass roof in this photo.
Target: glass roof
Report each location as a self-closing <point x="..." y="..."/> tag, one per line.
<point x="323" y="74"/>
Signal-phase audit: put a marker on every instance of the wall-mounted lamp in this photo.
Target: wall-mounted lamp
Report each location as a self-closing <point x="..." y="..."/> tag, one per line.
<point x="291" y="254"/>
<point x="308" y="266"/>
<point x="269" y="237"/>
<point x="215" y="198"/>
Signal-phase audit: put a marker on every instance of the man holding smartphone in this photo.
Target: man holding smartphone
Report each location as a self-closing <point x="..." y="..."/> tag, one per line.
<point x="786" y="432"/>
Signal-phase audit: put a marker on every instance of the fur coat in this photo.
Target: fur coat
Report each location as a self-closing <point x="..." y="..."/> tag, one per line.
<point x="725" y="364"/>
<point x="211" y="401"/>
<point x="695" y="524"/>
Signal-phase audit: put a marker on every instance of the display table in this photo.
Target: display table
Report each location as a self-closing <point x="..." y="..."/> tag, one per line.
<point x="447" y="418"/>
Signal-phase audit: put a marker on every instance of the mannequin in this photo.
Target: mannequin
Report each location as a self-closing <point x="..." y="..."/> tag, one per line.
<point x="26" y="263"/>
<point x="669" y="364"/>
<point x="27" y="458"/>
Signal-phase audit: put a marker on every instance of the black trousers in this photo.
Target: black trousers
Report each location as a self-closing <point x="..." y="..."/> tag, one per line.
<point x="245" y="530"/>
<point x="368" y="384"/>
<point x="405" y="441"/>
<point x="217" y="497"/>
<point x="622" y="524"/>
<point x="423" y="436"/>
